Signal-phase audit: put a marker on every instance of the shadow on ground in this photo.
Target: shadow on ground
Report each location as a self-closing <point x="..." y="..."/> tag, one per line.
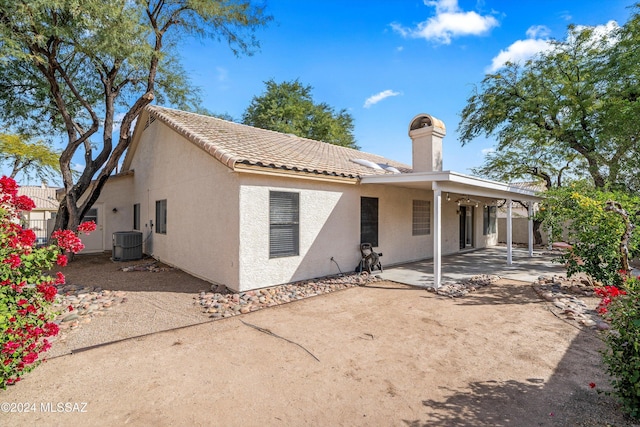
<point x="534" y="402"/>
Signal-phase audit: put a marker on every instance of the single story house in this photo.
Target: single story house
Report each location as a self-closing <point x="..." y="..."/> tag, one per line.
<point x="251" y="208"/>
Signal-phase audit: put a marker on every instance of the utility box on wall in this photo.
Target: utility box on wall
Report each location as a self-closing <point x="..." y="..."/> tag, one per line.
<point x="127" y="245"/>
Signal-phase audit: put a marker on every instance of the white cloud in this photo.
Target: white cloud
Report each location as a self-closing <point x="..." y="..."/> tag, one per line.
<point x="450" y="21"/>
<point x="537" y="41"/>
<point x="374" y="99"/>
<point x="518" y="52"/>
<point x="486" y="151"/>
<point x="607" y="30"/>
<point x="538" y="31"/>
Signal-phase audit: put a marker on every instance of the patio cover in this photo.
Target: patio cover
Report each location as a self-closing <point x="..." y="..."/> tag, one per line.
<point x="454" y="182"/>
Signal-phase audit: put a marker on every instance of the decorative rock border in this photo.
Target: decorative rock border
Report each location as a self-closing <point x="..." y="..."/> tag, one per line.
<point x="463" y="287"/>
<point x="86" y="302"/>
<point x="560" y="292"/>
<point x="223" y="303"/>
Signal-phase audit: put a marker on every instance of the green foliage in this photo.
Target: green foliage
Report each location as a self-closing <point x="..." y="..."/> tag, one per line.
<point x="29" y="158"/>
<point x="288" y="107"/>
<point x="578" y="213"/>
<point x="622" y="356"/>
<point x="571" y="109"/>
<point x="71" y="67"/>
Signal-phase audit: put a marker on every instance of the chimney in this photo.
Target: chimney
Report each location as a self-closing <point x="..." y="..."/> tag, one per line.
<point x="426" y="133"/>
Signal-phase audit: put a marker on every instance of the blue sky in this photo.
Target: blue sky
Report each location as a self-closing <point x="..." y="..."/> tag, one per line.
<point x="387" y="61"/>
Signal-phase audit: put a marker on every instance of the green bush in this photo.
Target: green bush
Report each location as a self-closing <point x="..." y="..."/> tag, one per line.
<point x="578" y="213"/>
<point x="622" y="356"/>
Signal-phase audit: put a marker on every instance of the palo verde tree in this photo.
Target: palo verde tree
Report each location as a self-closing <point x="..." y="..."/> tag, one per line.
<point x="29" y="158"/>
<point x="289" y="107"/>
<point x="566" y="112"/>
<point x="74" y="67"/>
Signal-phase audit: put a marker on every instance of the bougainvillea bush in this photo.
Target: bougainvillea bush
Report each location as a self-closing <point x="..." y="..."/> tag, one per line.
<point x="27" y="292"/>
<point x="621" y="307"/>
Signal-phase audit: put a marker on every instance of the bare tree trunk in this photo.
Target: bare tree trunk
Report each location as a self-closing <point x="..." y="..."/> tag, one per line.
<point x="616" y="207"/>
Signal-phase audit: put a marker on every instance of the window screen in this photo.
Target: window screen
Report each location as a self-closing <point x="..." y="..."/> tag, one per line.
<point x="161" y="216"/>
<point x="284" y="225"/>
<point x="369" y="220"/>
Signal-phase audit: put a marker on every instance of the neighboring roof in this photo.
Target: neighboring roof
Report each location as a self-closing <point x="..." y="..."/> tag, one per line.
<point x="43" y="197"/>
<point x="236" y="144"/>
<point x="533" y="186"/>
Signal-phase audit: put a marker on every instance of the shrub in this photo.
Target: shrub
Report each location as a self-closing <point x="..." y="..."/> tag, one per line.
<point x="27" y="293"/>
<point x="622" y="356"/>
<point x="580" y="213"/>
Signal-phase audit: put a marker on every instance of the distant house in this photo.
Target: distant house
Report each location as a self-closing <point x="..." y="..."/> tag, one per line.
<point x="250" y="208"/>
<point x="40" y="218"/>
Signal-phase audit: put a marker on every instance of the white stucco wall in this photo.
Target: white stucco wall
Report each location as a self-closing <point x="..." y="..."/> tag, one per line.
<point x="202" y="204"/>
<point x="218" y="220"/>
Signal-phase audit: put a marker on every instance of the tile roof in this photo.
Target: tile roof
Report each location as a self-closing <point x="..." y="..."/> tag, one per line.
<point x="44" y="198"/>
<point x="234" y="144"/>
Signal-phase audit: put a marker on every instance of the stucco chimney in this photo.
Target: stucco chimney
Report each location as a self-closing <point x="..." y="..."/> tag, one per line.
<point x="426" y="133"/>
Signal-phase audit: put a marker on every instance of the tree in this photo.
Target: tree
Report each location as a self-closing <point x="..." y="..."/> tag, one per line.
<point x="29" y="157"/>
<point x="288" y="107"/>
<point x="566" y="111"/>
<point x="72" y="67"/>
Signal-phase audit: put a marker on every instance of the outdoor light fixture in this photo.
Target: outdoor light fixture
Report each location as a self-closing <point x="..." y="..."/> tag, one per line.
<point x="448" y="198"/>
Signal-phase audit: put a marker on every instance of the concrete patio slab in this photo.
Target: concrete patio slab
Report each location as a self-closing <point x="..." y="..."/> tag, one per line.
<point x="484" y="261"/>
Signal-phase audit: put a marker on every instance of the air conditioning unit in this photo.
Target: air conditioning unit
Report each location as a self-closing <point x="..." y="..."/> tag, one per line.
<point x="127" y="245"/>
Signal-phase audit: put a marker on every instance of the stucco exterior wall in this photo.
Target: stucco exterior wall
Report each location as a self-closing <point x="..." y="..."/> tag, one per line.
<point x="202" y="204"/>
<point x="330" y="227"/>
<point x="116" y="194"/>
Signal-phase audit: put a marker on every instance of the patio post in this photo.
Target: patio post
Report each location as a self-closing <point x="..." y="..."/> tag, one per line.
<point x="437" y="239"/>
<point x="509" y="233"/>
<point x="530" y="229"/>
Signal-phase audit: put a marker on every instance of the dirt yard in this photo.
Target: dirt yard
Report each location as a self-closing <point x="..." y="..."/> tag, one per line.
<point x="387" y="355"/>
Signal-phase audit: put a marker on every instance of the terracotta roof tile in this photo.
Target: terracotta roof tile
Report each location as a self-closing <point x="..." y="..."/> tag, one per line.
<point x="234" y="143"/>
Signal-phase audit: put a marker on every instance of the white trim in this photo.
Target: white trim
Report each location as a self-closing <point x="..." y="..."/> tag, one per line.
<point x="437" y="237"/>
<point x="455" y="182"/>
<point x="530" y="229"/>
<point x="509" y="233"/>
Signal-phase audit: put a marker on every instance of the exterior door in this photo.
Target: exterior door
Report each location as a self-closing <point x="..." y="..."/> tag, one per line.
<point x="94" y="242"/>
<point x="466" y="227"/>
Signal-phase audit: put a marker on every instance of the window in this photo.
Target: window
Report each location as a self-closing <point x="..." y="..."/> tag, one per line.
<point x="369" y="220"/>
<point x="136" y="216"/>
<point x="161" y="216"/>
<point x="91" y="215"/>
<point x="489" y="220"/>
<point x="284" y="225"/>
<point x="421" y="217"/>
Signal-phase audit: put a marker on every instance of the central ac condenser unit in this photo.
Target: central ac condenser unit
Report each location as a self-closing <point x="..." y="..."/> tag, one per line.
<point x="127" y="245"/>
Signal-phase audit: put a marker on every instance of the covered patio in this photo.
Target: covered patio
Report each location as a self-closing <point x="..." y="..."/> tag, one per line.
<point x="482" y="261"/>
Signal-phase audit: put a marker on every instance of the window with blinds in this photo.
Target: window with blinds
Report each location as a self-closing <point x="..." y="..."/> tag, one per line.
<point x="421" y="217"/>
<point x="369" y="220"/>
<point x="161" y="216"/>
<point x="284" y="224"/>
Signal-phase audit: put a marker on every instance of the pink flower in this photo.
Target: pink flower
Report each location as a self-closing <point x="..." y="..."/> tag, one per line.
<point x="87" y="227"/>
<point x="13" y="260"/>
<point x="67" y="240"/>
<point x="8" y="186"/>
<point x="27" y="237"/>
<point x="24" y="203"/>
<point x="61" y="260"/>
<point x="592" y="385"/>
<point x="60" y="279"/>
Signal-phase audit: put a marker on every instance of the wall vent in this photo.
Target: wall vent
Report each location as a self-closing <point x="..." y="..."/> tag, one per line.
<point x="127" y="245"/>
